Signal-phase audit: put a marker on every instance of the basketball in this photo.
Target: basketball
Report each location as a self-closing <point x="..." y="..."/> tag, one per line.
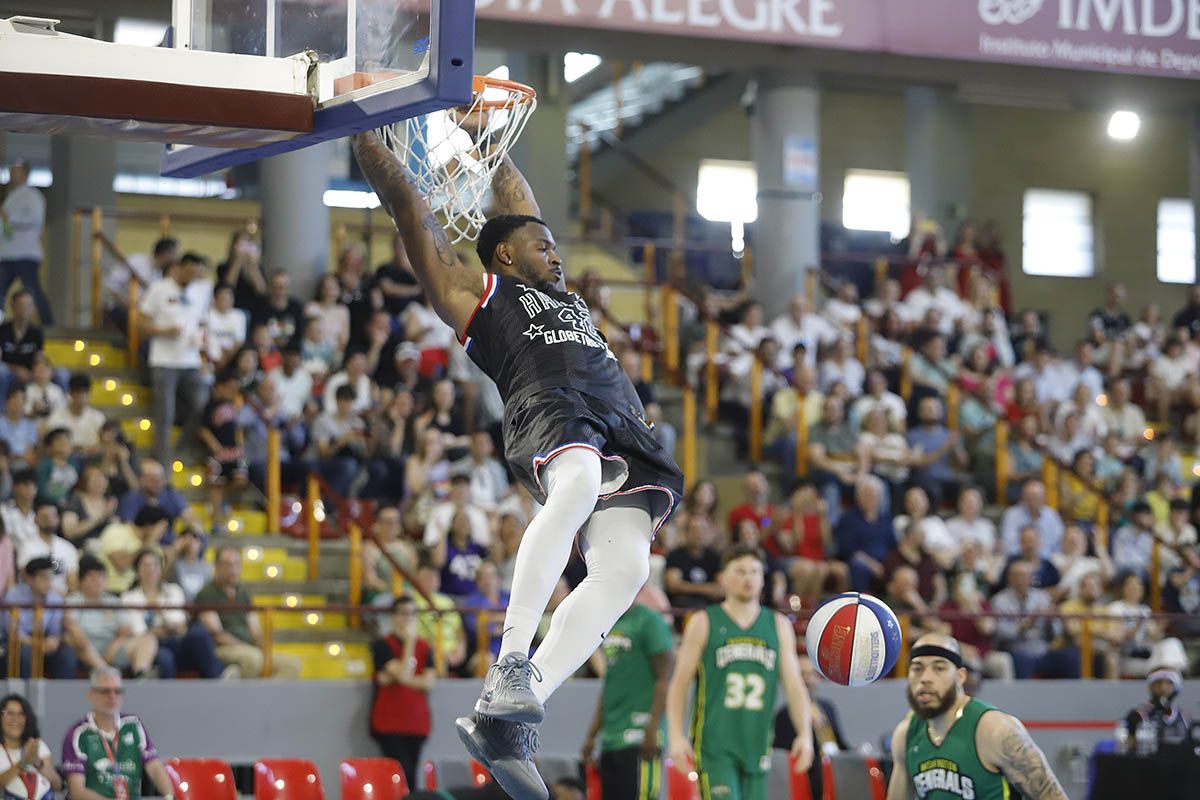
<point x="853" y="639"/>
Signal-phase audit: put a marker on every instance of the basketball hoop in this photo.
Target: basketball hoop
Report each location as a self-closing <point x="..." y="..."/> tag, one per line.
<point x="453" y="154"/>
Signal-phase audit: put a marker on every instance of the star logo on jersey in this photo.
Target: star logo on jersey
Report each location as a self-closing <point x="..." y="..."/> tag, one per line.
<point x="535" y="331"/>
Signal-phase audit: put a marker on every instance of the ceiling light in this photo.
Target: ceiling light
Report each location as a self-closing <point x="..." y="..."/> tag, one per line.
<point x="1124" y="125"/>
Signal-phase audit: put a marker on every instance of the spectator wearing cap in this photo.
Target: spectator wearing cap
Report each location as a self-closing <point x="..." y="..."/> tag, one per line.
<point x="18" y="512"/>
<point x="152" y="490"/>
<point x="238" y="633"/>
<point x="121" y="542"/>
<point x="49" y="544"/>
<point x="56" y="472"/>
<point x="339" y="436"/>
<point x="1031" y="510"/>
<point x="16" y="429"/>
<point x="1162" y="712"/>
<point x="38" y="588"/>
<point x="1134" y="541"/>
<point x="104" y="636"/>
<point x="402" y="372"/>
<point x="172" y="315"/>
<point x="78" y="417"/>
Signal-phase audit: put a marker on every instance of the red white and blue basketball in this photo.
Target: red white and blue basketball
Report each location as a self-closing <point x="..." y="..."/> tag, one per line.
<point x="853" y="639"/>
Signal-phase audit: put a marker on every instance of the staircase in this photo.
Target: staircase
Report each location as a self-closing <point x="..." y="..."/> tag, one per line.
<point x="274" y="567"/>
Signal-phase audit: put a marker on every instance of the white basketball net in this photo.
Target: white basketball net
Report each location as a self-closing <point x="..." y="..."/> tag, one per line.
<point x="453" y="154"/>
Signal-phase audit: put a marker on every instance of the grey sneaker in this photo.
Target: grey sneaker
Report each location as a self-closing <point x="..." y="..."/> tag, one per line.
<point x="507" y="694"/>
<point x="506" y="749"/>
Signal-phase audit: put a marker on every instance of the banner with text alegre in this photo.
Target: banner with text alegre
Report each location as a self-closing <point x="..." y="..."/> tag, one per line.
<point x="1156" y="37"/>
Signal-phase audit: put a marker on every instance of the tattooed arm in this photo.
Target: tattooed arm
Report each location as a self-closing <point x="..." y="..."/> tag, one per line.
<point x="453" y="288"/>
<point x="1003" y="744"/>
<point x="898" y="785"/>
<point x="510" y="191"/>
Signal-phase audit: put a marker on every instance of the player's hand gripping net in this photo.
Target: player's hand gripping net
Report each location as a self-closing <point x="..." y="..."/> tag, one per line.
<point x="453" y="154"/>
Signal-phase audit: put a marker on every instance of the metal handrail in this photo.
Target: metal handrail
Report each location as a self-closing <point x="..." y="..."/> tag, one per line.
<point x="484" y="615"/>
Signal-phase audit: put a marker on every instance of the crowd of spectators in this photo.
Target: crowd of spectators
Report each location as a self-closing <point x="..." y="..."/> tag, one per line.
<point x="900" y="396"/>
<point x="371" y="390"/>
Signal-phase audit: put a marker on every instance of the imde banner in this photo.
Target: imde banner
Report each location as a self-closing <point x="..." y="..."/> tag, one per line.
<point x="1153" y="37"/>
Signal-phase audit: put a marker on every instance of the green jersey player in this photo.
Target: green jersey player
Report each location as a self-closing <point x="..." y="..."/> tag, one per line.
<point x="638" y="654"/>
<point x="953" y="747"/>
<point x="736" y="652"/>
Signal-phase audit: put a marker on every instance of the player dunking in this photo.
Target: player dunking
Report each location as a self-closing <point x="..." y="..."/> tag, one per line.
<point x="739" y="651"/>
<point x="575" y="434"/>
<point x="954" y="747"/>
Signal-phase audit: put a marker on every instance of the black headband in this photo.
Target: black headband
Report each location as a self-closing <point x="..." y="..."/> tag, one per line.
<point x="938" y="651"/>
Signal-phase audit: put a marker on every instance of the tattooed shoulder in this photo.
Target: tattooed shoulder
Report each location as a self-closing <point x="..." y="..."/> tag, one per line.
<point x="1008" y="746"/>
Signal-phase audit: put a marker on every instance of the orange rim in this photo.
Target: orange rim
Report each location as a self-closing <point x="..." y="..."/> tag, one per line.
<point x="518" y="93"/>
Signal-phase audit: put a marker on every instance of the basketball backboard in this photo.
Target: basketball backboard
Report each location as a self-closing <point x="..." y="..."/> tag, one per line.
<point x="239" y="80"/>
<point x="375" y="61"/>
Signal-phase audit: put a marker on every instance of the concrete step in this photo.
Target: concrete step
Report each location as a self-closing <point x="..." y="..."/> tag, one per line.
<point x="330" y="660"/>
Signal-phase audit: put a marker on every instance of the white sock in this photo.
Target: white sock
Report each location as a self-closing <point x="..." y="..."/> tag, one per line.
<point x="572" y="481"/>
<point x="617" y="552"/>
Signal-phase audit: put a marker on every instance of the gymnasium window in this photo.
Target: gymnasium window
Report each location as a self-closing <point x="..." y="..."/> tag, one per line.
<point x="877" y="201"/>
<point x="1176" y="241"/>
<point x="1057" y="238"/>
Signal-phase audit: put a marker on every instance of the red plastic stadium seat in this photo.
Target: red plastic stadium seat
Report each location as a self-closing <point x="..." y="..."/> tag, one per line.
<point x="800" y="786"/>
<point x="681" y="785"/>
<point x="828" y="788"/>
<point x="201" y="779"/>
<point x="594" y="791"/>
<point x="875" y="777"/>
<point x="373" y="779"/>
<point x="286" y="779"/>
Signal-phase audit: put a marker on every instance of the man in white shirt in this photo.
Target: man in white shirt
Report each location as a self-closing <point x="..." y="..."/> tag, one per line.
<point x="878" y="395"/>
<point x="294" y="383"/>
<point x="1124" y="418"/>
<point x="1081" y="369"/>
<point x="143" y="268"/>
<point x="798" y="325"/>
<point x="22" y="216"/>
<point x="48" y="544"/>
<point x="172" y="318"/>
<point x="226" y="328"/>
<point x="969" y="525"/>
<point x="489" y="480"/>
<point x="442" y="514"/>
<point x="78" y="417"/>
<point x="935" y="294"/>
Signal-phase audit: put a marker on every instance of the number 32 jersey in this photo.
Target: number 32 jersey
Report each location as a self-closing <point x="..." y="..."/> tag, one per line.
<point x="733" y="717"/>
